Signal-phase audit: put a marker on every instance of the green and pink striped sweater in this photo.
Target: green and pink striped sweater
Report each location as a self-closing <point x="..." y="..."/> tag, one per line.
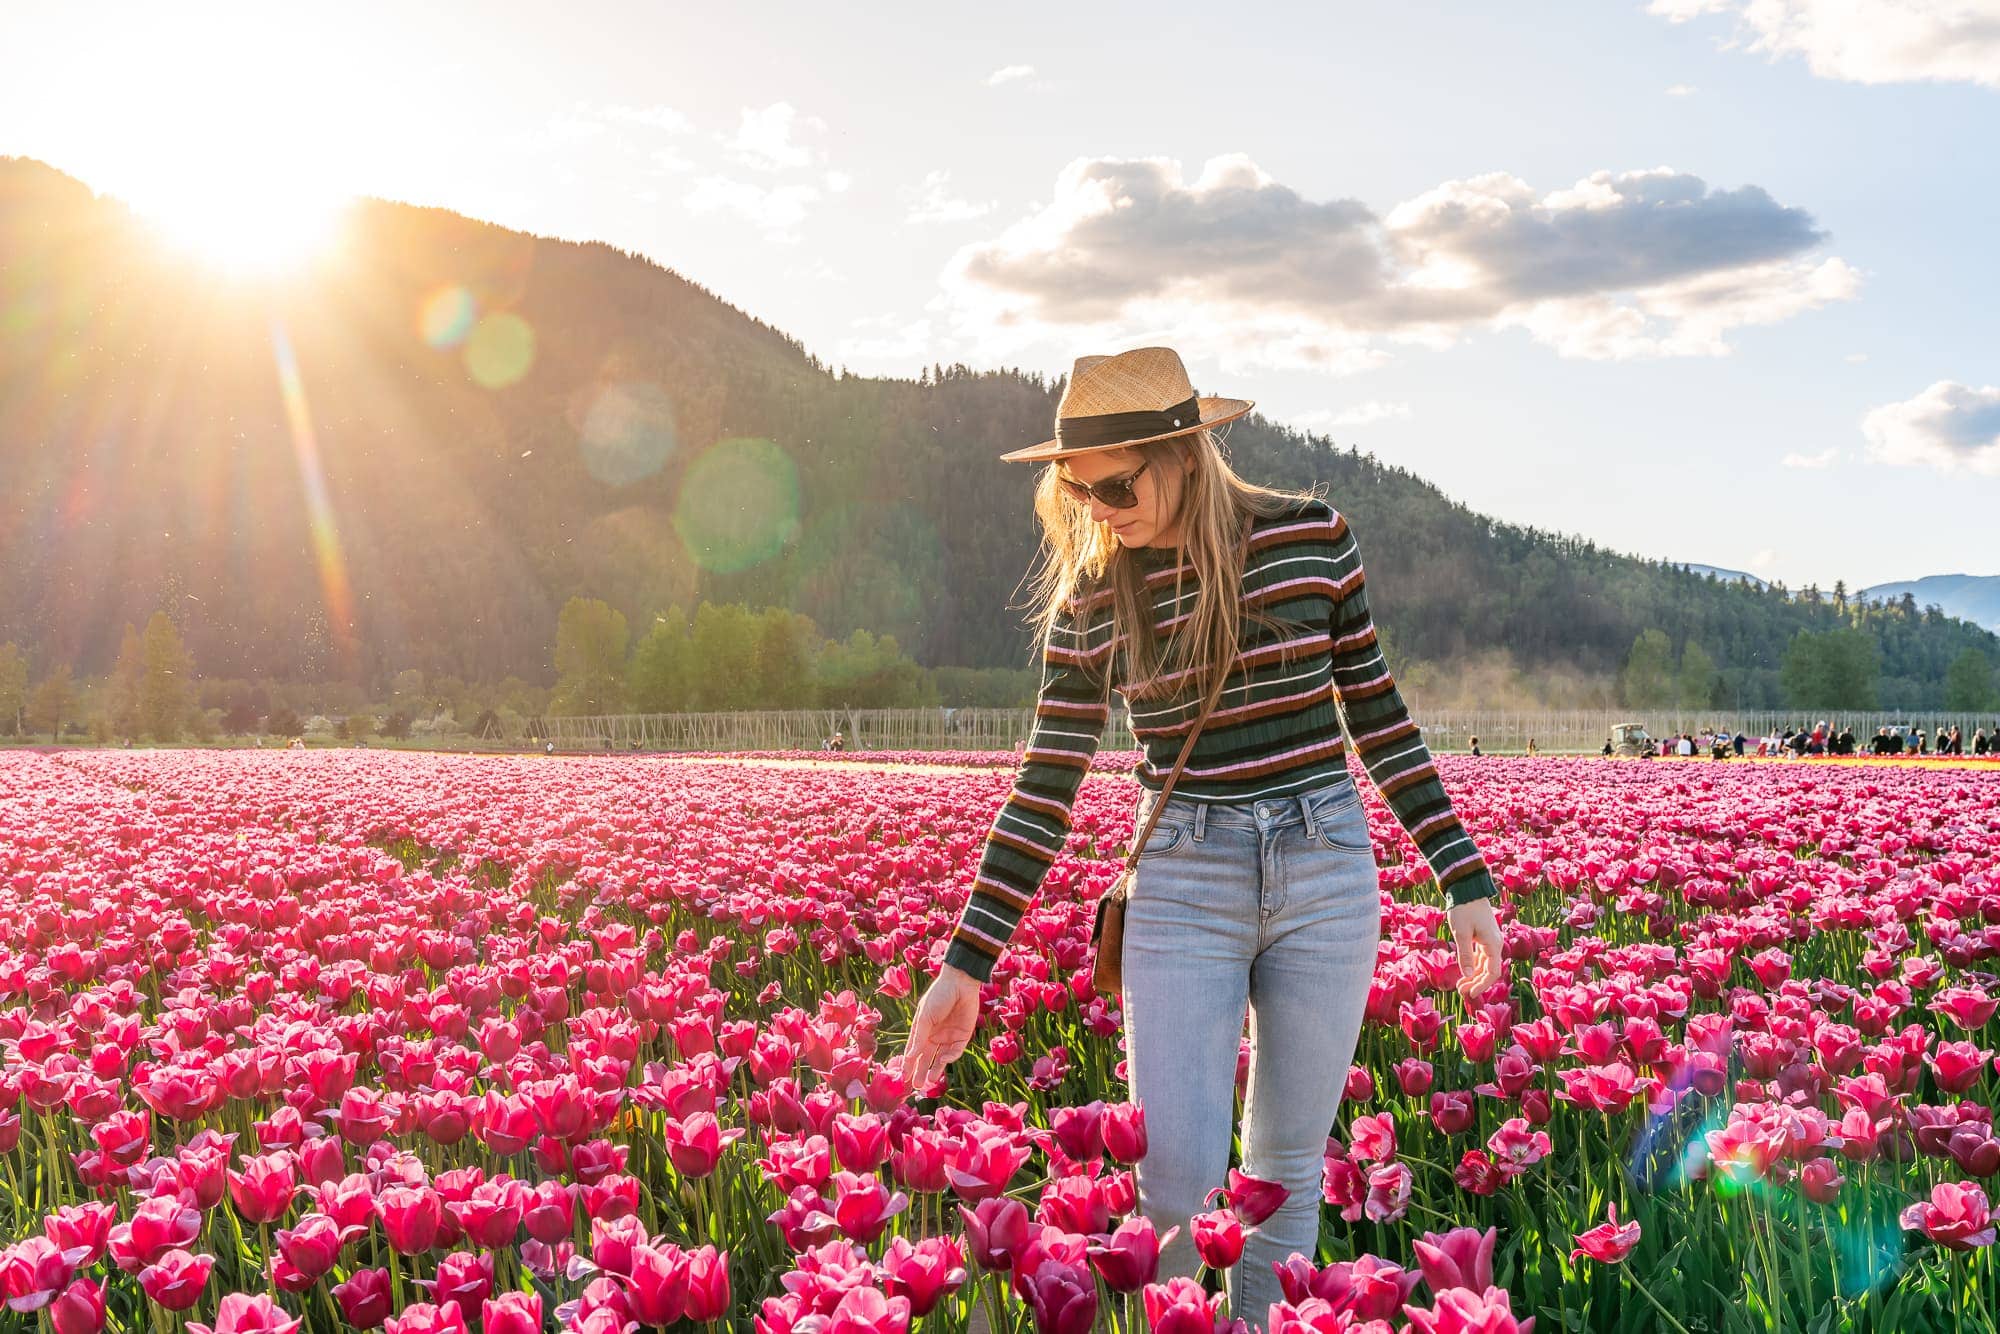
<point x="1276" y="729"/>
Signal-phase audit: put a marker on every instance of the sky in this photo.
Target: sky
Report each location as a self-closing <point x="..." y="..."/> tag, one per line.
<point x="1708" y="280"/>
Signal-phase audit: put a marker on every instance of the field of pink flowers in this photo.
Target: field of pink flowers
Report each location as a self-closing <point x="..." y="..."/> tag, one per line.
<point x="351" y="1039"/>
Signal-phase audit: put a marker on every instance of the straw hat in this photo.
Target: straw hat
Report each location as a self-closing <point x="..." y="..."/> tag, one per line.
<point x="1130" y="399"/>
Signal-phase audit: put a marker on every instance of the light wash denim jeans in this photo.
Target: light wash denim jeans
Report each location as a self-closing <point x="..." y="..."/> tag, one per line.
<point x="1274" y="905"/>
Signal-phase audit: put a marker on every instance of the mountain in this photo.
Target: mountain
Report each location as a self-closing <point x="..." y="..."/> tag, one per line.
<point x="1728" y="576"/>
<point x="412" y="451"/>
<point x="1970" y="597"/>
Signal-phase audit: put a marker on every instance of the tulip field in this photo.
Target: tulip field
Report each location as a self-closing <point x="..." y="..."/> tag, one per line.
<point x="435" y="1044"/>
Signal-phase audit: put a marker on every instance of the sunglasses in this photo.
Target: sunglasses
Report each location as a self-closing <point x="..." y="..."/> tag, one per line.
<point x="1113" y="491"/>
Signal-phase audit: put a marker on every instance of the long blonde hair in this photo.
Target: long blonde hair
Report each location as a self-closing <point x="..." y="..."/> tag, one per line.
<point x="1081" y="556"/>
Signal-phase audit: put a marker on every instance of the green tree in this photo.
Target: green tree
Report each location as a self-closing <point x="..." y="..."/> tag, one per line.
<point x="866" y="671"/>
<point x="168" y="684"/>
<point x="658" y="680"/>
<point x="724" y="653"/>
<point x="590" y="657"/>
<point x="783" y="660"/>
<point x="124" y="694"/>
<point x="53" y="703"/>
<point x="13" y="688"/>
<point x="1968" y="683"/>
<point x="1695" y="683"/>
<point x="1648" y="678"/>
<point x="1831" y="669"/>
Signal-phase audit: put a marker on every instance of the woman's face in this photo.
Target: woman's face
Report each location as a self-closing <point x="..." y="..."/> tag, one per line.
<point x="1152" y="522"/>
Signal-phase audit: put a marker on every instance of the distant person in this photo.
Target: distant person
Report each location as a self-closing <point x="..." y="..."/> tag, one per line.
<point x="1686" y="746"/>
<point x="1607" y="746"/>
<point x="1847" y="740"/>
<point x="1739" y="741"/>
<point x="550" y="749"/>
<point x="1879" y="743"/>
<point x="1531" y="746"/>
<point x="1979" y="742"/>
<point x="1801" y="739"/>
<point x="1957" y="742"/>
<point x="836" y="742"/>
<point x="1475" y="745"/>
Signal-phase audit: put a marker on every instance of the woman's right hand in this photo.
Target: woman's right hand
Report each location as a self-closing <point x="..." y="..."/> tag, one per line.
<point x="941" y="1027"/>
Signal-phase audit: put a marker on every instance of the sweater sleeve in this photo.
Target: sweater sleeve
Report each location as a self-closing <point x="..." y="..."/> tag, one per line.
<point x="1388" y="740"/>
<point x="1032" y="825"/>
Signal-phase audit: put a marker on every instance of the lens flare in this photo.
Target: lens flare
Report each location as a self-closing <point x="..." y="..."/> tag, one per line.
<point x="739" y="504"/>
<point x="446" y="317"/>
<point x="628" y="433"/>
<point x="339" y="598"/>
<point x="499" y="350"/>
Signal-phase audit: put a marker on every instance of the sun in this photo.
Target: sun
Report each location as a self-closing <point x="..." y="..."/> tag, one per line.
<point x="245" y="228"/>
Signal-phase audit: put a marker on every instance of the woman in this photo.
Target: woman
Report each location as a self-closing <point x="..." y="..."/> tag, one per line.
<point x="1259" y="884"/>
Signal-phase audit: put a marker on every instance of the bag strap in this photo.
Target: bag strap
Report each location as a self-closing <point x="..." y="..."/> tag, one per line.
<point x="1167" y="788"/>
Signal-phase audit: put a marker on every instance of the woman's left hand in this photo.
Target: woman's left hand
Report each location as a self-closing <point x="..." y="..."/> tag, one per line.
<point x="1481" y="963"/>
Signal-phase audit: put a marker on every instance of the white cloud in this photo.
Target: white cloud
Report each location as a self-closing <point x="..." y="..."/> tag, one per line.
<point x="933" y="202"/>
<point x="1820" y="460"/>
<point x="764" y="137"/>
<point x="776" y="210"/>
<point x="1680" y="90"/>
<point x="837" y="181"/>
<point x="889" y="338"/>
<point x="1856" y="357"/>
<point x="1361" y="414"/>
<point x="1629" y="264"/>
<point x="1009" y="74"/>
<point x="1864" y="41"/>
<point x="1948" y="426"/>
<point x="1763" y="559"/>
<point x="671" y="159"/>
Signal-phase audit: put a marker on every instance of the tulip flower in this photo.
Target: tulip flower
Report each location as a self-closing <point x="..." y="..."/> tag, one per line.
<point x="34" y="1270"/>
<point x="995" y="1229"/>
<point x="411" y="1216"/>
<point x="1182" y="1306"/>
<point x="85" y="1226"/>
<point x="426" y="1318"/>
<point x="157" y="1226"/>
<point x="657" y="1288"/>
<point x="263" y="1189"/>
<point x="1130" y="1258"/>
<point x="1609" y="1242"/>
<point x="707" y="1285"/>
<point x="985" y="1163"/>
<point x="364" y="1298"/>
<point x="1124" y="1131"/>
<point x="867" y="1311"/>
<point x="695" y="1143"/>
<point x="244" y="1313"/>
<point x="1957" y="1216"/>
<point x="79" y="1309"/>
<point x="1461" y="1311"/>
<point x="1218" y="1237"/>
<point x="863" y="1206"/>
<point x="176" y="1279"/>
<point x="924" y="1272"/>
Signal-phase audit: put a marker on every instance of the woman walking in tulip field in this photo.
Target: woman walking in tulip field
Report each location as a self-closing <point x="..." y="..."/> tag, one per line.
<point x="1258" y="887"/>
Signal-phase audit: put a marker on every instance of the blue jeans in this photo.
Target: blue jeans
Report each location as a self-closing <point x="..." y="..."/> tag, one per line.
<point x="1274" y="904"/>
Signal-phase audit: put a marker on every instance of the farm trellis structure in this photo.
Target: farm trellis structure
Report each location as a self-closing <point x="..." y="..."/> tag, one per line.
<point x="1555" y="732"/>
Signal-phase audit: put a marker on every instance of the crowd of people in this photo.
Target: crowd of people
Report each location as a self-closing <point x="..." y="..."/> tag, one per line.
<point x="1824" y="740"/>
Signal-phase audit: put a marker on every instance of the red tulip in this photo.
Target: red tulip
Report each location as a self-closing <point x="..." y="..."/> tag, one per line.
<point x="87" y="1226"/>
<point x="862" y="1142"/>
<point x="157" y="1226"/>
<point x="986" y="1162"/>
<point x="1968" y="1007"/>
<point x="33" y="1271"/>
<point x="1608" y="1243"/>
<point x="1451" y="1111"/>
<point x="463" y="1280"/>
<point x="1821" y="1180"/>
<point x="1080" y="1130"/>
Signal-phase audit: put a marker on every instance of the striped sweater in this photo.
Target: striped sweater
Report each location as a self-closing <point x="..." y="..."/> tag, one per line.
<point x="1276" y="730"/>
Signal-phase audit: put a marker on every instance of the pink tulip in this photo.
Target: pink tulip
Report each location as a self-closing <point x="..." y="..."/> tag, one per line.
<point x="995" y="1229"/>
<point x="925" y="1272"/>
<point x="79" y="1309"/>
<point x="1463" y="1311"/>
<point x="87" y="1226"/>
<point x="33" y="1271"/>
<point x="867" y="1311"/>
<point x="512" y="1313"/>
<point x="985" y="1163"/>
<point x="176" y="1279"/>
<point x="657" y="1288"/>
<point x="1062" y="1295"/>
<point x="863" y="1206"/>
<point x="1461" y="1258"/>
<point x="157" y="1226"/>
<point x="695" y="1144"/>
<point x="1181" y="1306"/>
<point x="1610" y="1242"/>
<point x="1124" y="1131"/>
<point x="1956" y="1216"/>
<point x="1218" y="1237"/>
<point x="1968" y="1007"/>
<point x="263" y="1189"/>
<point x="243" y="1313"/>
<point x="411" y="1217"/>
<point x="426" y="1318"/>
<point x="1130" y="1258"/>
<point x="364" y="1298"/>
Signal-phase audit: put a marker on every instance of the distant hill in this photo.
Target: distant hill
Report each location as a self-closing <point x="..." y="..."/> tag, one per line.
<point x="335" y="480"/>
<point x="1970" y="597"/>
<point x="1731" y="576"/>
